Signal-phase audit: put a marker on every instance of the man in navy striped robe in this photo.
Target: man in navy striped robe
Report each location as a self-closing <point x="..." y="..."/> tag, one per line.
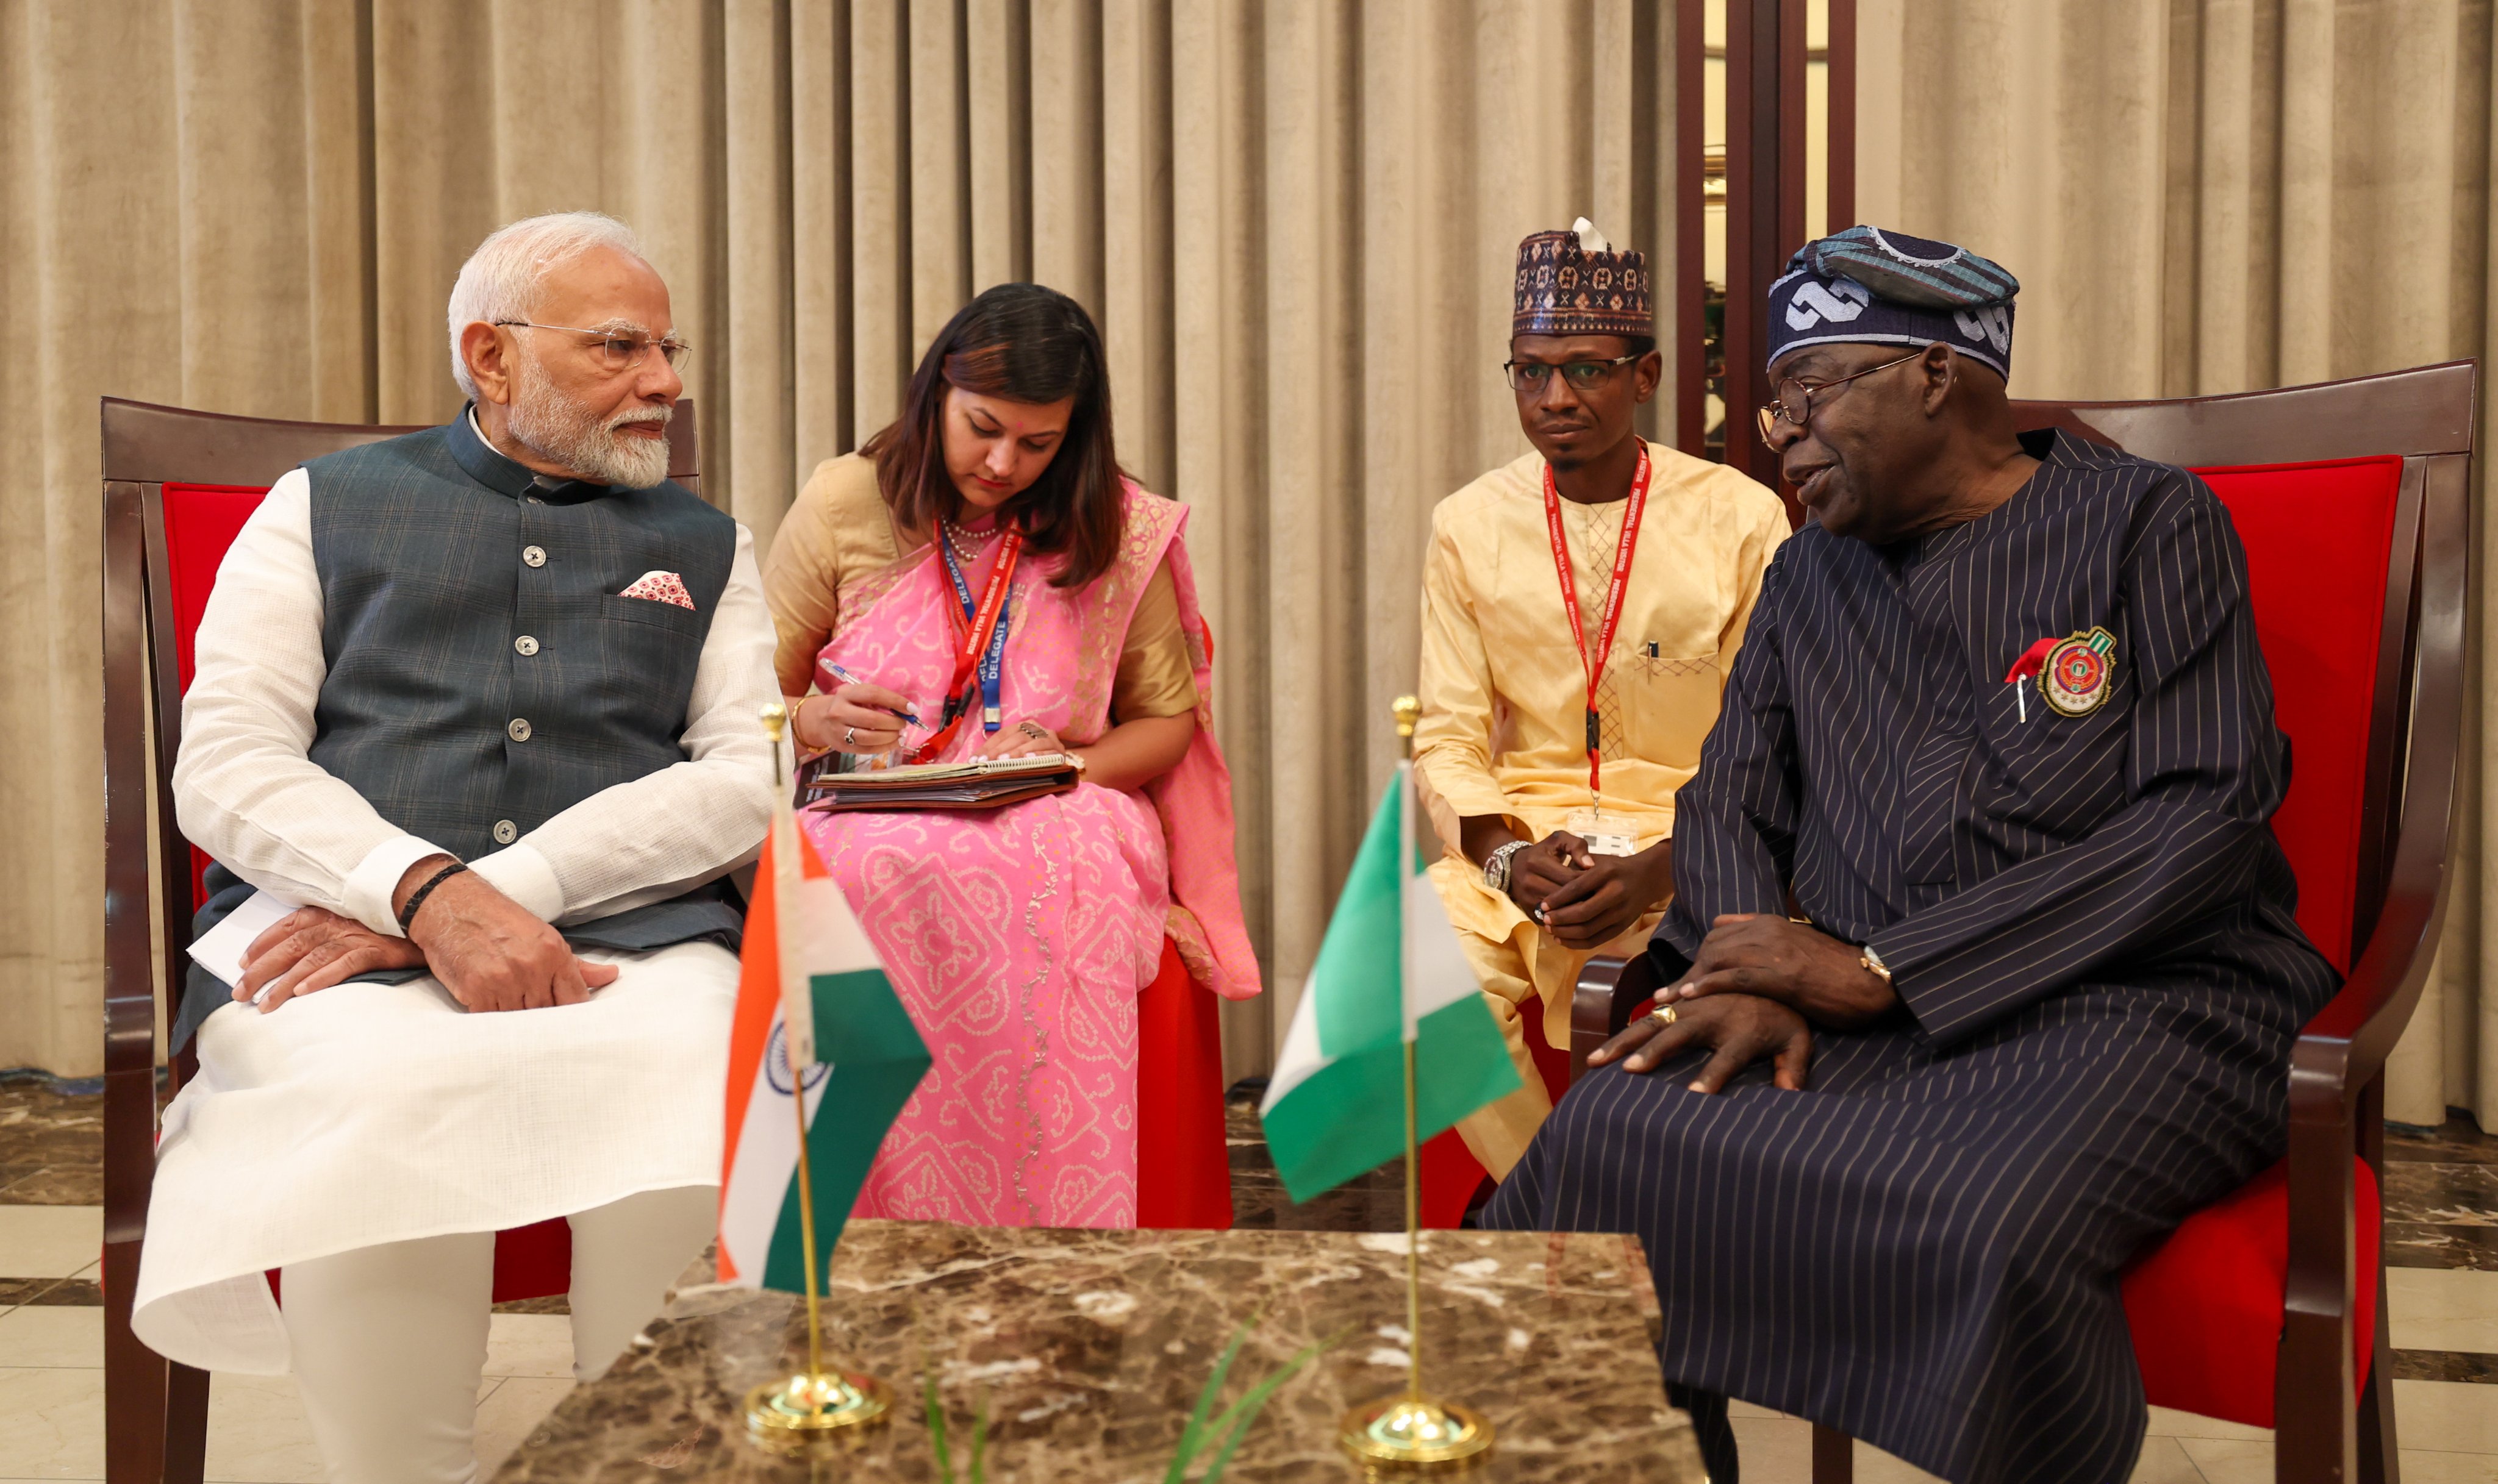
<point x="1982" y="973"/>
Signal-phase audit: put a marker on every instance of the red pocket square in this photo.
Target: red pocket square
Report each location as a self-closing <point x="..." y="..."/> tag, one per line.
<point x="659" y="587"/>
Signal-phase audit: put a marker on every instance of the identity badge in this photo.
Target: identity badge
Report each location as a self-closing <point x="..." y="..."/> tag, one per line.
<point x="1604" y="833"/>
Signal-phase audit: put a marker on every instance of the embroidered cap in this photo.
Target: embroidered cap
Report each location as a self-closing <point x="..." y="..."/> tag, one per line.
<point x="1574" y="283"/>
<point x="1869" y="286"/>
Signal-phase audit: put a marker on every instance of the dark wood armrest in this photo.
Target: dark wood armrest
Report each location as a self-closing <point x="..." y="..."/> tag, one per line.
<point x="1607" y="990"/>
<point x="2337" y="1067"/>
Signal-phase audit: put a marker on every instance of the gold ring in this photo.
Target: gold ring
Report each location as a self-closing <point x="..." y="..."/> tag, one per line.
<point x="1663" y="1015"/>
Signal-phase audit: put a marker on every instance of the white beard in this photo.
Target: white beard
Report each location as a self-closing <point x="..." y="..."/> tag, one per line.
<point x="562" y="431"/>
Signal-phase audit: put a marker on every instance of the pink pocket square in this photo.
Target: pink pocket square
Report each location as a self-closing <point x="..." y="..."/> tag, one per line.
<point x="659" y="587"/>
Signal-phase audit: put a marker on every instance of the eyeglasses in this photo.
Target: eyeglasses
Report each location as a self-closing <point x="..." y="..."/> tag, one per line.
<point x="620" y="350"/>
<point x="1792" y="400"/>
<point x="1581" y="375"/>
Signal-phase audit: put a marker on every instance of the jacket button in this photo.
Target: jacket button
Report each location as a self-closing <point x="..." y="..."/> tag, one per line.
<point x="519" y="729"/>
<point x="534" y="555"/>
<point x="505" y="832"/>
<point x="526" y="645"/>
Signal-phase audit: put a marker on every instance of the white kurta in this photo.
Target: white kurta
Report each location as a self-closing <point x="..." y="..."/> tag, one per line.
<point x="370" y="1112"/>
<point x="374" y="1113"/>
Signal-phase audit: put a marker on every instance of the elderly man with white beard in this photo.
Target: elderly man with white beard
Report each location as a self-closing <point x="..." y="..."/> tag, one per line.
<point x="479" y="704"/>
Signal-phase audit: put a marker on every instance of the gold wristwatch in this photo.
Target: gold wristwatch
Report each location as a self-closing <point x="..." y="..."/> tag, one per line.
<point x="1871" y="962"/>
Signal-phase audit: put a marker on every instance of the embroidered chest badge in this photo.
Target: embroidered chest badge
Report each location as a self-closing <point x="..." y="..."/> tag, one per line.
<point x="2074" y="673"/>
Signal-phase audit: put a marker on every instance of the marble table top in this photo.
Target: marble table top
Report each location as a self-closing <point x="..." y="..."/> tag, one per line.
<point x="1088" y="1349"/>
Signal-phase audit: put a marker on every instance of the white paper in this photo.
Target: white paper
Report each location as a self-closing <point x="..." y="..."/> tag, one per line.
<point x="219" y="950"/>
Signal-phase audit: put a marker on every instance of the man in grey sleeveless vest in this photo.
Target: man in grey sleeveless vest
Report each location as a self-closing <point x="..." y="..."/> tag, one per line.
<point x="475" y="716"/>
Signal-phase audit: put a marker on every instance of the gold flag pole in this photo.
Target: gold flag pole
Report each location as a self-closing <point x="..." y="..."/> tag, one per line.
<point x="1412" y="1431"/>
<point x="815" y="1401"/>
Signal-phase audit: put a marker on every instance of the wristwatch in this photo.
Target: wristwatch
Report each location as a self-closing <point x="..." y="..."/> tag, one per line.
<point x="1497" y="865"/>
<point x="1872" y="962"/>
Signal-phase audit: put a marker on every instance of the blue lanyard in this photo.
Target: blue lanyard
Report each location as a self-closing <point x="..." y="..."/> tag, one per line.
<point x="993" y="663"/>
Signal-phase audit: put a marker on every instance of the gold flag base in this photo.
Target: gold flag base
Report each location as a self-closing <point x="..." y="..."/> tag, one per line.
<point x="1408" y="1432"/>
<point x="810" y="1406"/>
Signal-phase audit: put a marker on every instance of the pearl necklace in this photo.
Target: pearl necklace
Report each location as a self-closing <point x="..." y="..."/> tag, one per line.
<point x="955" y="537"/>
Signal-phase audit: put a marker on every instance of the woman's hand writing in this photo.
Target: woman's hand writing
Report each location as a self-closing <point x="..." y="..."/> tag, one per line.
<point x="856" y="717"/>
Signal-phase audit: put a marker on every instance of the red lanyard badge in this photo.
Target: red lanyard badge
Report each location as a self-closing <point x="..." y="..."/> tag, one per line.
<point x="1629" y="542"/>
<point x="983" y="623"/>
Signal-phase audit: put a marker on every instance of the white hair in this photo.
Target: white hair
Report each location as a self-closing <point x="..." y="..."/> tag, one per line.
<point x="502" y="279"/>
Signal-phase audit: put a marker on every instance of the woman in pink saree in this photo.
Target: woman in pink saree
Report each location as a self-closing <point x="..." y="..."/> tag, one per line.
<point x="1018" y="938"/>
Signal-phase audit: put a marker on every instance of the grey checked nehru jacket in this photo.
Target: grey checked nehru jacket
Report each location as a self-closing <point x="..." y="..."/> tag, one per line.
<point x="484" y="674"/>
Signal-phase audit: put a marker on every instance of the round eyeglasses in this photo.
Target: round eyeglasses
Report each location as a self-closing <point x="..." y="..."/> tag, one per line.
<point x="620" y="350"/>
<point x="1791" y="400"/>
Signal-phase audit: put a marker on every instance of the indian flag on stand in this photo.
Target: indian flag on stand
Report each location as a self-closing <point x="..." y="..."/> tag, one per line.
<point x="809" y="984"/>
<point x="1389" y="971"/>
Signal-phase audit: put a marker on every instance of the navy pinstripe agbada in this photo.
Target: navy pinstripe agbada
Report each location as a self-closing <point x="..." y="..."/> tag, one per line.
<point x="2089" y="924"/>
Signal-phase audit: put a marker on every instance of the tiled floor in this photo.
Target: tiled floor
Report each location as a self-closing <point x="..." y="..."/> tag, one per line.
<point x="2442" y="1241"/>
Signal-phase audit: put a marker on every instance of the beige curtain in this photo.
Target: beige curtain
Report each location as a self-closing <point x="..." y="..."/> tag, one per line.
<point x="2204" y="195"/>
<point x="1293" y="218"/>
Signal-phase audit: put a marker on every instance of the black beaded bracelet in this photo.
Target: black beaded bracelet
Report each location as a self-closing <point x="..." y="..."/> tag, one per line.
<point x="416" y="898"/>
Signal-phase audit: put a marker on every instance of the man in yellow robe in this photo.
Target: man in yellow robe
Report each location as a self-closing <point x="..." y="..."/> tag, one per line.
<point x="1553" y="855"/>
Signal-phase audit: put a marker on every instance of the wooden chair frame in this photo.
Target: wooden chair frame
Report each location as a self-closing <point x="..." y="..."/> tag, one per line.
<point x="2337" y="1070"/>
<point x="156" y="1412"/>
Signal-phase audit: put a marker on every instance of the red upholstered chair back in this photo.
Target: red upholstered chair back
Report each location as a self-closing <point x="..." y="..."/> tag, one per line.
<point x="2325" y="486"/>
<point x="199" y="522"/>
<point x="2318" y="539"/>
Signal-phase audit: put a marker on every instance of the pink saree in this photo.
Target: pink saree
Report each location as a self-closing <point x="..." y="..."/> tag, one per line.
<point x="1019" y="938"/>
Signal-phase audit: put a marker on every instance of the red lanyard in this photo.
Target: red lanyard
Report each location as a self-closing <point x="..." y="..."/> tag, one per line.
<point x="985" y="622"/>
<point x="1622" y="549"/>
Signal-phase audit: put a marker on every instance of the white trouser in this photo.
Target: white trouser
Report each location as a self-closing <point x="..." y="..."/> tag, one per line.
<point x="388" y="1342"/>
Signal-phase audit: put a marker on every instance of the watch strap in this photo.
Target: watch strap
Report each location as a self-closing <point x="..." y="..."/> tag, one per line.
<point x="1497" y="865"/>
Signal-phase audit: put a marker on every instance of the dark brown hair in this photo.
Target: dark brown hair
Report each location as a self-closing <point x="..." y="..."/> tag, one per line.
<point x="1028" y="344"/>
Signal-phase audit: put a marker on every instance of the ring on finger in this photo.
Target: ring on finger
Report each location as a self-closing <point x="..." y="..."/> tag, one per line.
<point x="1663" y="1015"/>
<point x="850" y="736"/>
<point x="1034" y="731"/>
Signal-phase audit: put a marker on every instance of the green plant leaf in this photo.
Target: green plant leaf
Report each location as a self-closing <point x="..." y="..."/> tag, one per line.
<point x="1192" y="1437"/>
<point x="981" y="1442"/>
<point x="1242" y="1415"/>
<point x="937" y="1426"/>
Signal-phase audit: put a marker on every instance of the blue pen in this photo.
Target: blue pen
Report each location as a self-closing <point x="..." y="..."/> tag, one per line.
<point x="846" y="677"/>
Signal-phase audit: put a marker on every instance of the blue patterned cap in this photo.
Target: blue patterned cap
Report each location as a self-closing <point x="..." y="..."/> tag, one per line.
<point x="1867" y="286"/>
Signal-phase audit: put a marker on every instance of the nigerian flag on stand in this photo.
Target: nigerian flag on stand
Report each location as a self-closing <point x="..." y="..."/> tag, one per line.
<point x="1390" y="971"/>
<point x="810" y="993"/>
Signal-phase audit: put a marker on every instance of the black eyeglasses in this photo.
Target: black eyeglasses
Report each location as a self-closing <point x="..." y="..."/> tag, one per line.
<point x="620" y="350"/>
<point x="1581" y="375"/>
<point x="1792" y="399"/>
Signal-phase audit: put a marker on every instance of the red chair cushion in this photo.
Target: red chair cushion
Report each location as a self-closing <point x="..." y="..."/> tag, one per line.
<point x="2205" y="1305"/>
<point x="200" y="521"/>
<point x="2318" y="536"/>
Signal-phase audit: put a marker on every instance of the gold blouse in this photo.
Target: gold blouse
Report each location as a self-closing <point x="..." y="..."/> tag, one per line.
<point x="841" y="530"/>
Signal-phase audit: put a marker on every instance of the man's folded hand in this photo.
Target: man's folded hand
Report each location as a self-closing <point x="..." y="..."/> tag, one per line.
<point x="488" y="951"/>
<point x="1740" y="1029"/>
<point x="1608" y="897"/>
<point x="1819" y="977"/>
<point x="310" y="948"/>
